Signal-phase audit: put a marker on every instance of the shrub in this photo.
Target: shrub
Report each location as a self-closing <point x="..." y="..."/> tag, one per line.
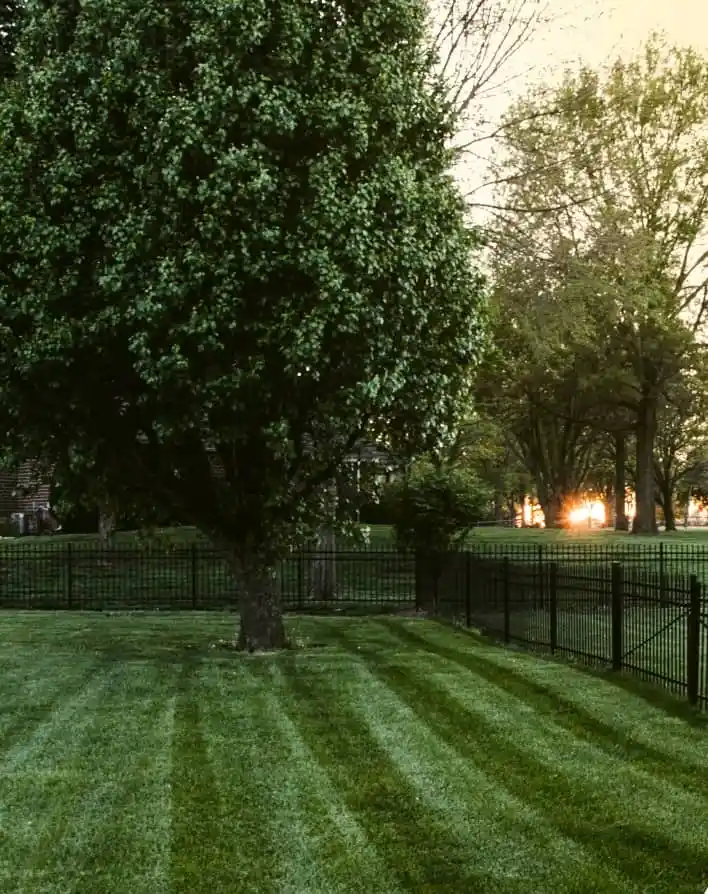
<point x="433" y="509"/>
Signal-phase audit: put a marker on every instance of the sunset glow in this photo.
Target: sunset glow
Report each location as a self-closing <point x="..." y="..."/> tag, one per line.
<point x="590" y="512"/>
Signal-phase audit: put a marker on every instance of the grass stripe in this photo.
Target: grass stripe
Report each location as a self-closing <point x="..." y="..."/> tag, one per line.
<point x="96" y="821"/>
<point x="200" y="845"/>
<point x="421" y="850"/>
<point x="223" y="799"/>
<point x="323" y="847"/>
<point x="479" y="811"/>
<point x="114" y="827"/>
<point x="69" y="715"/>
<point x="618" y="837"/>
<point x="42" y="779"/>
<point x="572" y="714"/>
<point x="32" y="696"/>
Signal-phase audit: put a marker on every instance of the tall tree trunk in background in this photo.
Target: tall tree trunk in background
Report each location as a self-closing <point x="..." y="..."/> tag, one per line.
<point x="498" y="508"/>
<point x="261" y="625"/>
<point x="106" y="524"/>
<point x="621" y="520"/>
<point x="645" y="518"/>
<point x="552" y="504"/>
<point x="324" y="565"/>
<point x="669" y="514"/>
<point x="665" y="499"/>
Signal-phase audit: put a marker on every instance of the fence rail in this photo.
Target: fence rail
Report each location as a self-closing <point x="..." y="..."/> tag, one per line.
<point x="197" y="577"/>
<point x="637" y="610"/>
<point x="640" y="610"/>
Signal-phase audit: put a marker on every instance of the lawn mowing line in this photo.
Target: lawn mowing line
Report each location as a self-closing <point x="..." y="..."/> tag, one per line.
<point x="222" y="764"/>
<point x="323" y="847"/>
<point x="69" y="715"/>
<point x="127" y="846"/>
<point x="199" y="844"/>
<point x="642" y="854"/>
<point x="422" y="852"/>
<point x="487" y="817"/>
<point x="566" y="712"/>
<point x="76" y="863"/>
<point x="516" y="692"/>
<point x="606" y="700"/>
<point x="35" y="803"/>
<point x="30" y="698"/>
<point x="583" y="764"/>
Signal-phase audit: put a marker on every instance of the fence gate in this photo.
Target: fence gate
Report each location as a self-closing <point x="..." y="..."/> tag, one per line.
<point x="664" y="631"/>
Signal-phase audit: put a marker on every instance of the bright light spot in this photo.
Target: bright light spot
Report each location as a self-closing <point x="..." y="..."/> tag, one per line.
<point x="594" y="512"/>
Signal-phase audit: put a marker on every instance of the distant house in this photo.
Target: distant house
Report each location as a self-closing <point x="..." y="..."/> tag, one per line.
<point x="21" y="493"/>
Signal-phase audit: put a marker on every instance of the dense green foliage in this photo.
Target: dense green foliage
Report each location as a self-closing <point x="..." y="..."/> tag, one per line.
<point x="434" y="508"/>
<point x="600" y="285"/>
<point x="10" y="23"/>
<point x="228" y="239"/>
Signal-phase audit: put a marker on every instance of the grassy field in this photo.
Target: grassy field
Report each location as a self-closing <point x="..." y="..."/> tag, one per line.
<point x="382" y="535"/>
<point x="383" y="756"/>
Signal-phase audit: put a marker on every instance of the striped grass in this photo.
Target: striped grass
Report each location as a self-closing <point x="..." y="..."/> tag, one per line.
<point x="382" y="755"/>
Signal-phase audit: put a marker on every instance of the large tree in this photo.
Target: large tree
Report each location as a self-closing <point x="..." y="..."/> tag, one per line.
<point x="230" y="245"/>
<point x="608" y="173"/>
<point x="11" y="12"/>
<point x="681" y="454"/>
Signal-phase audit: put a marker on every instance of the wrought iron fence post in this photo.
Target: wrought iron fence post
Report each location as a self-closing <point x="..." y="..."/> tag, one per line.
<point x="300" y="579"/>
<point x="617" y="615"/>
<point x="69" y="577"/>
<point x="468" y="585"/>
<point x="662" y="575"/>
<point x="507" y="608"/>
<point x="553" y="596"/>
<point x="693" y="641"/>
<point x="194" y="575"/>
<point x="540" y="577"/>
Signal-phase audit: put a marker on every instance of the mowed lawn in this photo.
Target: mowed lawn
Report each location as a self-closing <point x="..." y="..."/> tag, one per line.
<point x="383" y="755"/>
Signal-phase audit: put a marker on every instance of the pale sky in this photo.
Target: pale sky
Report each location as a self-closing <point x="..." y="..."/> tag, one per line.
<point x="594" y="32"/>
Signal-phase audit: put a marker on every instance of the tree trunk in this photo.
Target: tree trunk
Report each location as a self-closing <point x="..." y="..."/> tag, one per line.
<point x="665" y="497"/>
<point x="261" y="614"/>
<point x="106" y="525"/>
<point x="498" y="508"/>
<point x="669" y="514"/>
<point x="552" y="505"/>
<point x="324" y="571"/>
<point x="621" y="520"/>
<point x="645" y="518"/>
<point x="324" y="567"/>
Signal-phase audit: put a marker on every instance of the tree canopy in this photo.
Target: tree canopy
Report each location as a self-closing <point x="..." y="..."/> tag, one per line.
<point x="230" y="245"/>
<point x="598" y="260"/>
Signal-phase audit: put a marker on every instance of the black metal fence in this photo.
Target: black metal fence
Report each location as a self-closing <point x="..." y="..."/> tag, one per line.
<point x="81" y="576"/>
<point x="641" y="610"/>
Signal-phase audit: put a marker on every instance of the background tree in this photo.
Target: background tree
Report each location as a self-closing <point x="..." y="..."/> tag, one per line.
<point x="224" y="259"/>
<point x="434" y="508"/>
<point x="608" y="175"/>
<point x="530" y="384"/>
<point x="484" y="447"/>
<point x="681" y="454"/>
